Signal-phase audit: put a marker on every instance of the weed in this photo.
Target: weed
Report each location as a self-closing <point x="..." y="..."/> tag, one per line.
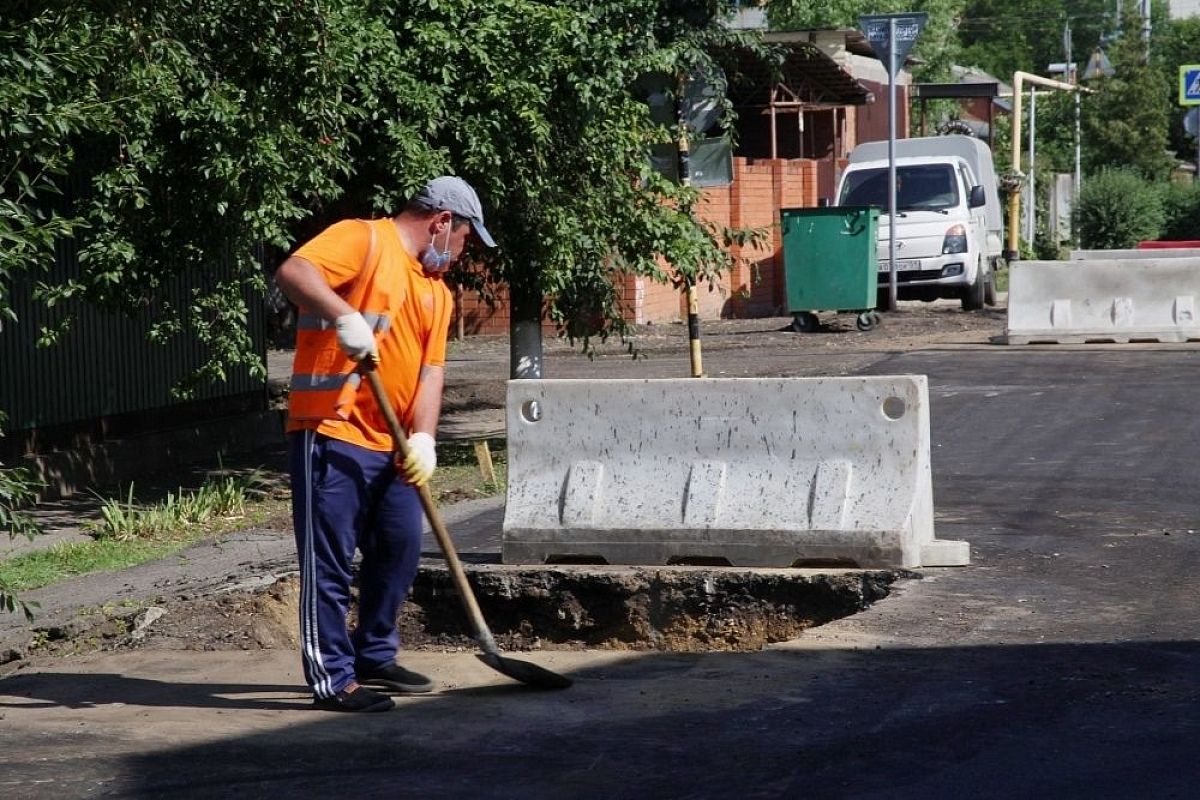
<point x="220" y="498"/>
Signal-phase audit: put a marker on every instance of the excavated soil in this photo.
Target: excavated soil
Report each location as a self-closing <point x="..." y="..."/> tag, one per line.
<point x="678" y="609"/>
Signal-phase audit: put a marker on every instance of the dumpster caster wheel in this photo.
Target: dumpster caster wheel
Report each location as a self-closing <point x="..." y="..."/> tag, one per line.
<point x="867" y="320"/>
<point x="804" y="322"/>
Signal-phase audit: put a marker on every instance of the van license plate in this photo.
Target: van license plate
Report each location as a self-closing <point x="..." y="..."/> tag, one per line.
<point x="901" y="266"/>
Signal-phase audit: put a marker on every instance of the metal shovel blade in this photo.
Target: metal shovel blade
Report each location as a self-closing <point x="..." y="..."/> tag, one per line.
<point x="526" y="673"/>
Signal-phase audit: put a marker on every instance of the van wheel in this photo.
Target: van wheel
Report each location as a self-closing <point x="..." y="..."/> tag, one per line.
<point x="989" y="290"/>
<point x="974" y="295"/>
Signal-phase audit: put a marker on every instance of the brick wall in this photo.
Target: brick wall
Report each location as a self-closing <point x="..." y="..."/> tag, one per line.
<point x="753" y="288"/>
<point x="475" y="316"/>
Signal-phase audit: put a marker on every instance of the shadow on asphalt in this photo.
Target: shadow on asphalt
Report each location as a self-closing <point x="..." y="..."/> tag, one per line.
<point x="88" y="690"/>
<point x="1057" y="720"/>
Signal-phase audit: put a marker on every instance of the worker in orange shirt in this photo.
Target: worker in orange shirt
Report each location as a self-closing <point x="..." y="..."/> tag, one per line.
<point x="367" y="289"/>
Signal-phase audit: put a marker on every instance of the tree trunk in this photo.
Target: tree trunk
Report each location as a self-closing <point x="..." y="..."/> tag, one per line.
<point x="525" y="333"/>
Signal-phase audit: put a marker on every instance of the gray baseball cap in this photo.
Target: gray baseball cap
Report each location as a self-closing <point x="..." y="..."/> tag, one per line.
<point x="455" y="195"/>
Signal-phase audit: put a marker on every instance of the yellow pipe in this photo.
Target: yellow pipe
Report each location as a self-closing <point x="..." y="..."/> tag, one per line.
<point x="1014" y="197"/>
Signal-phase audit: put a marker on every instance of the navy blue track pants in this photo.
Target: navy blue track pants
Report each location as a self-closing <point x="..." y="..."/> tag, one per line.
<point x="346" y="497"/>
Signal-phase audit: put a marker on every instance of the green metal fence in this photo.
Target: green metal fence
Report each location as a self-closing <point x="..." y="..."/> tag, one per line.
<point x="105" y="366"/>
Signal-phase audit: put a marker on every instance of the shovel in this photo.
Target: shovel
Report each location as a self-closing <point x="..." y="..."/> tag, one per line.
<point x="526" y="673"/>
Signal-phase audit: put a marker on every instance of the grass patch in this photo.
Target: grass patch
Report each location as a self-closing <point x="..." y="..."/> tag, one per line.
<point x="63" y="561"/>
<point x="128" y="533"/>
<point x="109" y="553"/>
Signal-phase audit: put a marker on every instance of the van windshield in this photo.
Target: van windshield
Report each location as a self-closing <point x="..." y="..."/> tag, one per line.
<point x="929" y="187"/>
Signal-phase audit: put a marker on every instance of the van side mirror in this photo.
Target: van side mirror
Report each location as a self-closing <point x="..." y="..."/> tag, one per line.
<point x="977" y="197"/>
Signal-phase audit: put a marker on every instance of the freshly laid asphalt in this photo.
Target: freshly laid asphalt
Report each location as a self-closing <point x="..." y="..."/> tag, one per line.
<point x="1062" y="663"/>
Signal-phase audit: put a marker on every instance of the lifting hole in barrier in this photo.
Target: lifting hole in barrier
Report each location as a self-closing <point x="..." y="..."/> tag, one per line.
<point x="568" y="559"/>
<point x="824" y="563"/>
<point x="531" y="411"/>
<point x="698" y="561"/>
<point x="894" y="407"/>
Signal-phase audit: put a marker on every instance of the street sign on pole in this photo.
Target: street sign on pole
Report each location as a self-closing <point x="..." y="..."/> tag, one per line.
<point x="1189" y="85"/>
<point x="892" y="36"/>
<point x="907" y="27"/>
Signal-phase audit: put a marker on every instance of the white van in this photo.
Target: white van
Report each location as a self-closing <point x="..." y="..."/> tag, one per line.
<point x="948" y="220"/>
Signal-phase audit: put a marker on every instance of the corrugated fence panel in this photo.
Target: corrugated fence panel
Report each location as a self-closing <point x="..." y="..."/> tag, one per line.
<point x="105" y="365"/>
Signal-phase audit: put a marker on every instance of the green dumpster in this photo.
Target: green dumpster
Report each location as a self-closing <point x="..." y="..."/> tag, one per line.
<point x="830" y="264"/>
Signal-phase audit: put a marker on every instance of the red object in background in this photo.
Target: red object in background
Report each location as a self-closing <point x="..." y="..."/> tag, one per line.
<point x="1180" y="245"/>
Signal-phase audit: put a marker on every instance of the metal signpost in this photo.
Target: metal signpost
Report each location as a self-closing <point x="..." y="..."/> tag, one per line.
<point x="1189" y="95"/>
<point x="892" y="36"/>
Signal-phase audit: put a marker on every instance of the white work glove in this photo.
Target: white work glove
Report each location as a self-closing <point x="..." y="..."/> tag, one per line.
<point x="422" y="459"/>
<point x="355" y="336"/>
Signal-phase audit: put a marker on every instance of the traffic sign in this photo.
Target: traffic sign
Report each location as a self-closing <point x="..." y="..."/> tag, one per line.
<point x="907" y="27"/>
<point x="1189" y="85"/>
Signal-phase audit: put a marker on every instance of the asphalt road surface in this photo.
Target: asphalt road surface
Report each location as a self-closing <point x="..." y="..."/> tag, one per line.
<point x="1062" y="663"/>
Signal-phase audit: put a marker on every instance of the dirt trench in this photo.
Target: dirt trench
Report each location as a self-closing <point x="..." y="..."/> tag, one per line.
<point x="667" y="609"/>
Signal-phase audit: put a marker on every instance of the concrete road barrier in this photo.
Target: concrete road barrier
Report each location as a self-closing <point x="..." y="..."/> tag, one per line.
<point x="746" y="472"/>
<point x="1139" y="255"/>
<point x="1103" y="300"/>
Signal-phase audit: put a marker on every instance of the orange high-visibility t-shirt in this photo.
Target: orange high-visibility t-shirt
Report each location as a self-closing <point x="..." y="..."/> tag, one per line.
<point x="418" y="309"/>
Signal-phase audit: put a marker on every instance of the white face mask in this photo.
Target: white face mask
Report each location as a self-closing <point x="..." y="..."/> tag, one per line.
<point x="434" y="261"/>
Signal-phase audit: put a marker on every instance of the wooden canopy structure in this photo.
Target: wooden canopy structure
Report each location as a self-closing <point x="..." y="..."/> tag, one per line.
<point x="807" y="80"/>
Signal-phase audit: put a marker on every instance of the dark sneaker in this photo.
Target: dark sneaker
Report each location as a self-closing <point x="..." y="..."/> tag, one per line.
<point x="394" y="677"/>
<point x="360" y="698"/>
